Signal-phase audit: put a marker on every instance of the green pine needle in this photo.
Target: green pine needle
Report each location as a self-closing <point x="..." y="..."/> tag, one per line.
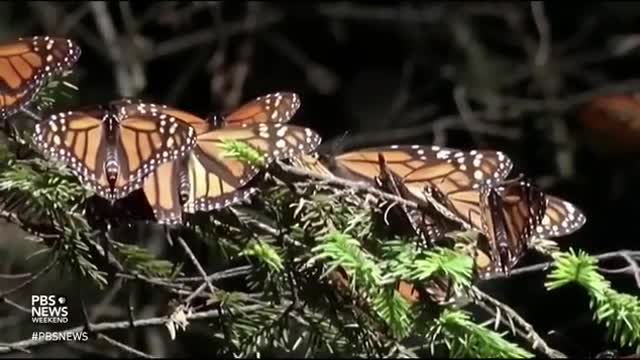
<point x="580" y="268"/>
<point x="266" y="253"/>
<point x="342" y="250"/>
<point x="466" y="339"/>
<point x="408" y="263"/>
<point x="140" y="260"/>
<point x="620" y="313"/>
<point x="394" y="310"/>
<point x="244" y="152"/>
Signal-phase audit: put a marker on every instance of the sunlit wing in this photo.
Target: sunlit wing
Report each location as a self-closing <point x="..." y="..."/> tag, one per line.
<point x="277" y="107"/>
<point x="312" y="164"/>
<point x="215" y="175"/>
<point x="26" y="64"/>
<point x="146" y="140"/>
<point x="76" y="140"/>
<point x="166" y="189"/>
<point x="561" y="218"/>
<point x="131" y="107"/>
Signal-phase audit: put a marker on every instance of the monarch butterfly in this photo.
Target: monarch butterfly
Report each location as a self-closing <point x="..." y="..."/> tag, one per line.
<point x="510" y="216"/>
<point x="206" y="180"/>
<point x="405" y="170"/>
<point x="276" y="107"/>
<point x="109" y="150"/>
<point x="26" y="64"/>
<point x="477" y="209"/>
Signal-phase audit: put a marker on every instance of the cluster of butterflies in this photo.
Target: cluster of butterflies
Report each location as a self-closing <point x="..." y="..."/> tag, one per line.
<point x="182" y="163"/>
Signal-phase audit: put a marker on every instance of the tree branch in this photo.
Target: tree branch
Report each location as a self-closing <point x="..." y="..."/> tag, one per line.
<point x="530" y="334"/>
<point x="124" y="347"/>
<point x="107" y="326"/>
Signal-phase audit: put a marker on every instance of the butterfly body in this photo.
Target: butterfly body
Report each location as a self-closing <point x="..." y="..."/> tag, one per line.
<point x="510" y="216"/>
<point x="26" y="64"/>
<point x="111" y="149"/>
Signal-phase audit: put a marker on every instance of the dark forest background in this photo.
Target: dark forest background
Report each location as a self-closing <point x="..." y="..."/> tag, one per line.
<point x="510" y="76"/>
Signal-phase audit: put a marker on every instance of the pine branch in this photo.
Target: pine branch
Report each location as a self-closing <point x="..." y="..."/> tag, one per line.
<point x="620" y="313"/>
<point x="529" y="334"/>
<point x="118" y="325"/>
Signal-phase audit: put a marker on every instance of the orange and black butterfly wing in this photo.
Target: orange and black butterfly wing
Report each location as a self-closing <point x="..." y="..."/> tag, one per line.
<point x="312" y="163"/>
<point x="167" y="189"/>
<point x="419" y="166"/>
<point x="76" y="139"/>
<point x="445" y="178"/>
<point x="161" y="112"/>
<point x="511" y="214"/>
<point x="277" y="107"/>
<point x="426" y="223"/>
<point x="146" y="140"/>
<point x="450" y="169"/>
<point x="213" y="172"/>
<point x="26" y="64"/>
<point x="561" y="218"/>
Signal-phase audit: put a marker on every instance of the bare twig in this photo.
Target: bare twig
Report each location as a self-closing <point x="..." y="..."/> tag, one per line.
<point x="125" y="348"/>
<point x="428" y="13"/>
<point x="128" y="69"/>
<point x="225" y="274"/>
<point x="16" y="305"/>
<point x="72" y="19"/>
<point x="106" y="326"/>
<point x="531" y="335"/>
<point x="627" y="255"/>
<point x="360" y="186"/>
<point x="196" y="263"/>
<point x="322" y="79"/>
<point x="198" y="38"/>
<point x="466" y="113"/>
<point x="542" y="24"/>
<point x="14" y="276"/>
<point x="44" y="270"/>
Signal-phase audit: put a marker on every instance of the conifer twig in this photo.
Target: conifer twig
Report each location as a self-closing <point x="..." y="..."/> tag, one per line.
<point x="32" y="278"/>
<point x="119" y="325"/>
<point x="126" y="348"/>
<point x="531" y="335"/>
<point x="360" y="186"/>
<point x="195" y="261"/>
<point x="629" y="256"/>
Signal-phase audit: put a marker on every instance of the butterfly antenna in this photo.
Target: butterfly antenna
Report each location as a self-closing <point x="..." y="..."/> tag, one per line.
<point x="386" y="212"/>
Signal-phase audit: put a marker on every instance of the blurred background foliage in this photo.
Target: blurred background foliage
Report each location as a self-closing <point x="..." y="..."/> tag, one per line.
<point x="510" y="76"/>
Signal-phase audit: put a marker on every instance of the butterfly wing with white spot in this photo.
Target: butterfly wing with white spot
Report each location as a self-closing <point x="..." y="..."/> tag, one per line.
<point x="276" y="107"/>
<point x="76" y="140"/>
<point x="561" y="218"/>
<point x="27" y="64"/>
<point x="145" y="141"/>
<point x="215" y="170"/>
